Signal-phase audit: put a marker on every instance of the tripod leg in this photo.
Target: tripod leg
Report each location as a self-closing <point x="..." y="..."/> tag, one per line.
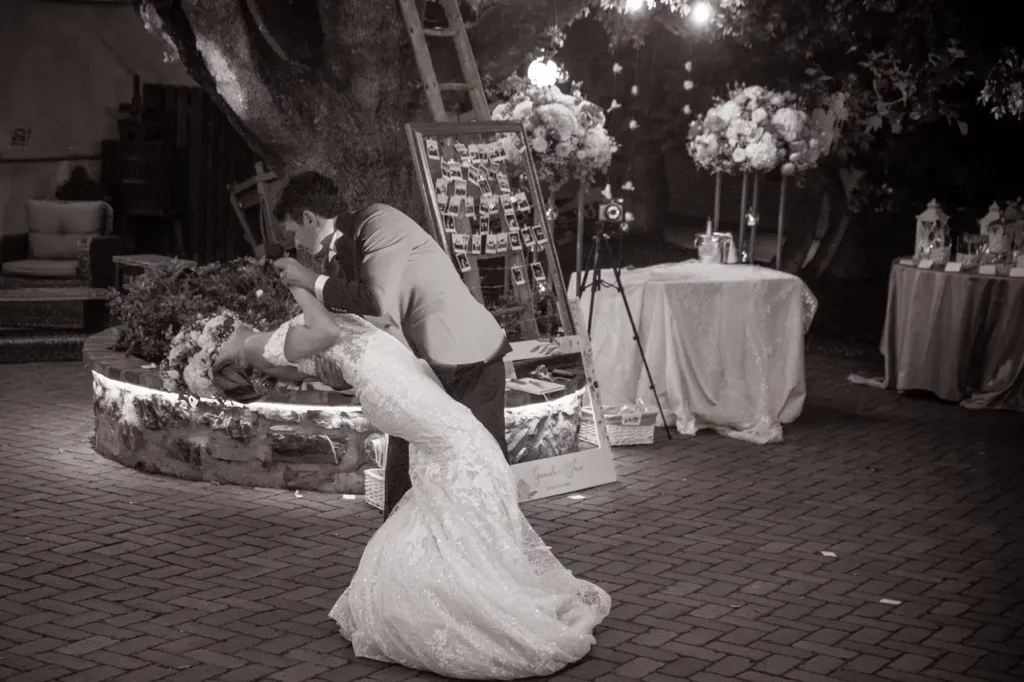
<point x="640" y="347"/>
<point x="595" y="268"/>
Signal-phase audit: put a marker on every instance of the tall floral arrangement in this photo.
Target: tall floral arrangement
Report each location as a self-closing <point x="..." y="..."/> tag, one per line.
<point x="739" y="133"/>
<point x="756" y="130"/>
<point x="567" y="133"/>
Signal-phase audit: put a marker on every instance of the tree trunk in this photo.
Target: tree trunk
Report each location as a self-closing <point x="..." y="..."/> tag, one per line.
<point x="841" y="182"/>
<point x="327" y="85"/>
<point x="802" y="223"/>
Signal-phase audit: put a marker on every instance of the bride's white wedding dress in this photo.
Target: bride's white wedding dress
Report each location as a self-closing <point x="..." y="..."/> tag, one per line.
<point x="455" y="581"/>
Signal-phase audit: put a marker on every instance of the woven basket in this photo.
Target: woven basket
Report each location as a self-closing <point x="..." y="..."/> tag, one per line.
<point x="618" y="435"/>
<point x="373" y="483"/>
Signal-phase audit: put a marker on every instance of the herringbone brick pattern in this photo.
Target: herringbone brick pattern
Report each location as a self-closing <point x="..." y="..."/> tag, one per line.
<point x="726" y="561"/>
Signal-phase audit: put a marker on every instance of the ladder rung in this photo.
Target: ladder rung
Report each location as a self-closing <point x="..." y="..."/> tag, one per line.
<point x="440" y="32"/>
<point x="455" y="87"/>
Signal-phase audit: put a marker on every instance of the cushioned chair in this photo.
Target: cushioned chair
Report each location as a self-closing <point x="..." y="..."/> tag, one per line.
<point x="68" y="244"/>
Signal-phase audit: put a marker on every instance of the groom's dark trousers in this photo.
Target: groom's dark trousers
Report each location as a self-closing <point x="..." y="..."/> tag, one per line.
<point x="481" y="388"/>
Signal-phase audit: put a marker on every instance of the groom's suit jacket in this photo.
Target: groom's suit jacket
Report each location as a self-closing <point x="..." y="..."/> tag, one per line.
<point x="385" y="265"/>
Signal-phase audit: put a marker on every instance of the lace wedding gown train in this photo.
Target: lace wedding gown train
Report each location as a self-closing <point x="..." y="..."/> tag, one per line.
<point x="455" y="581"/>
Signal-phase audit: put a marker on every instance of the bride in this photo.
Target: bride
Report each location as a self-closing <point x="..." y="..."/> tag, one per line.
<point x="455" y="581"/>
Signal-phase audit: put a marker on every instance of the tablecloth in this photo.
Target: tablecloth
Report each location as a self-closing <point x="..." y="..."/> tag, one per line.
<point x="957" y="335"/>
<point x="725" y="344"/>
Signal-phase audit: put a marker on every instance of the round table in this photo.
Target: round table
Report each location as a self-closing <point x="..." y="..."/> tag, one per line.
<point x="725" y="344"/>
<point x="957" y="335"/>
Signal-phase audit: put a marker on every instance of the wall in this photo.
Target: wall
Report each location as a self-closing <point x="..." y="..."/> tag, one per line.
<point x="66" y="68"/>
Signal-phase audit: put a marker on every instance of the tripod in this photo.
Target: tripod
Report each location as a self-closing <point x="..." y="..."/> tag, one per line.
<point x="593" y="268"/>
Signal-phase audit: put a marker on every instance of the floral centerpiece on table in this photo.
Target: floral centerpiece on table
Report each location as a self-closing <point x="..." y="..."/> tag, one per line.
<point x="567" y="133"/>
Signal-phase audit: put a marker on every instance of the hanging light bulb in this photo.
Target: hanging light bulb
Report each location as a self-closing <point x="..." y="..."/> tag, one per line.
<point x="543" y="72"/>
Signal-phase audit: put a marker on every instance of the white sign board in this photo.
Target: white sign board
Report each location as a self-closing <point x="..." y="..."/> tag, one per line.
<point x="564" y="474"/>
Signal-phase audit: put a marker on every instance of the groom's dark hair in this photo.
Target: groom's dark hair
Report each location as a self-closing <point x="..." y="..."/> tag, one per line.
<point x="309" y="191"/>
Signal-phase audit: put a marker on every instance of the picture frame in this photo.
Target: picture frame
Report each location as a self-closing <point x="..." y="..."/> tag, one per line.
<point x="505" y="180"/>
<point x="518" y="278"/>
<point x="462" y="260"/>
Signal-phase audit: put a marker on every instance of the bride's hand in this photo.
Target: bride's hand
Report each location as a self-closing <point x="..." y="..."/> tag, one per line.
<point x="329" y="373"/>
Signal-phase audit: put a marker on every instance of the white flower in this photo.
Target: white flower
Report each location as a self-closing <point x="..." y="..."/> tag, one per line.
<point x="758" y="115"/>
<point x="634" y="91"/>
<point x="502" y="112"/>
<point x="790" y="123"/>
<point x="728" y="111"/>
<point x="539" y="145"/>
<point x="687" y="109"/>
<point x="629" y="216"/>
<point x="754" y="92"/>
<point x="259" y="293"/>
<point x="762" y="156"/>
<point x="633" y="125"/>
<point x="739" y="155"/>
<point x="687" y="85"/>
<point x="628" y="186"/>
<point x="614" y="105"/>
<point x="688" y="66"/>
<point x="616" y="68"/>
<point x="776" y="100"/>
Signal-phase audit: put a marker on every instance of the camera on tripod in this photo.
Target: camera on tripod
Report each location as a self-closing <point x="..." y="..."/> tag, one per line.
<point x="611" y="211"/>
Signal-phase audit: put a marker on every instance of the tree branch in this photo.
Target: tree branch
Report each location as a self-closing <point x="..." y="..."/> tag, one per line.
<point x="508" y="32"/>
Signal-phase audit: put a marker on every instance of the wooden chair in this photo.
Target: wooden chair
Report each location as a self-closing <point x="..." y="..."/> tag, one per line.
<point x="251" y="201"/>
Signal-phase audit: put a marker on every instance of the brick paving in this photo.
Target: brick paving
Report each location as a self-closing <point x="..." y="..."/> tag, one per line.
<point x="714" y="551"/>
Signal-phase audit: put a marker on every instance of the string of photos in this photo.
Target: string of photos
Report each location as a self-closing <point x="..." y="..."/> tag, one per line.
<point x="489" y="216"/>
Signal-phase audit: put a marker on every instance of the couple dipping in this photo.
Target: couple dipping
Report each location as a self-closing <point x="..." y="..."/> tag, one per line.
<point x="455" y="581"/>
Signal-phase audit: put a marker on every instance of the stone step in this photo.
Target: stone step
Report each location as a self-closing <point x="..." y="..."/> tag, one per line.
<point x="48" y="315"/>
<point x="21" y="345"/>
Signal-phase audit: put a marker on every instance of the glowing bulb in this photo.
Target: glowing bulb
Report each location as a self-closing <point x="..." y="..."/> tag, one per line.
<point x="701" y="13"/>
<point x="635" y="5"/>
<point x="543" y="72"/>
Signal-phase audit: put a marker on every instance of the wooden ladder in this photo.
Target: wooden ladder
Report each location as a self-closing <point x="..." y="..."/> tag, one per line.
<point x="456" y="31"/>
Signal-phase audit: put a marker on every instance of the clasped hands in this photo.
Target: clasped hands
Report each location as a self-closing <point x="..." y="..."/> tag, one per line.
<point x="296" y="275"/>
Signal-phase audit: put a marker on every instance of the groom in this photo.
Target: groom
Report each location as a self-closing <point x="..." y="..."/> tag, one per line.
<point x="380" y="263"/>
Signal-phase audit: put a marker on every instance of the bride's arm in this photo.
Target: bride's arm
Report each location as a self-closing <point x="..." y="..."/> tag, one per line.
<point x="317" y="333"/>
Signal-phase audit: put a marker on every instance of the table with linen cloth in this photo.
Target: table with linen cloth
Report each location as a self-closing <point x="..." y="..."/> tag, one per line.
<point x="957" y="335"/>
<point x="725" y="344"/>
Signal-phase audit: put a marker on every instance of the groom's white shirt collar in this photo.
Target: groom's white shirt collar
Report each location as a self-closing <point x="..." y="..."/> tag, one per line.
<point x="329" y="230"/>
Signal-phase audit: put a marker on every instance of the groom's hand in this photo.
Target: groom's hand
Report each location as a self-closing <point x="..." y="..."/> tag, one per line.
<point x="295" y="274"/>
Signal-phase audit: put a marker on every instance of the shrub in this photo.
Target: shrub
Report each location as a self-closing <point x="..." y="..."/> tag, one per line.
<point x="158" y="303"/>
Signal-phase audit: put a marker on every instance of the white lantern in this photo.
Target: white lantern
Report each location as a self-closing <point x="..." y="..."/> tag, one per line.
<point x="932" y="229"/>
<point x="993" y="215"/>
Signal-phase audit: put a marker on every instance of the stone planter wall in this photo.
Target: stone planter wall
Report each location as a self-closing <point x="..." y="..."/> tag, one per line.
<point x="303" y="440"/>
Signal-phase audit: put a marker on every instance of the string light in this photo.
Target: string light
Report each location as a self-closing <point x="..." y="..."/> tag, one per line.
<point x="701" y="13"/>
